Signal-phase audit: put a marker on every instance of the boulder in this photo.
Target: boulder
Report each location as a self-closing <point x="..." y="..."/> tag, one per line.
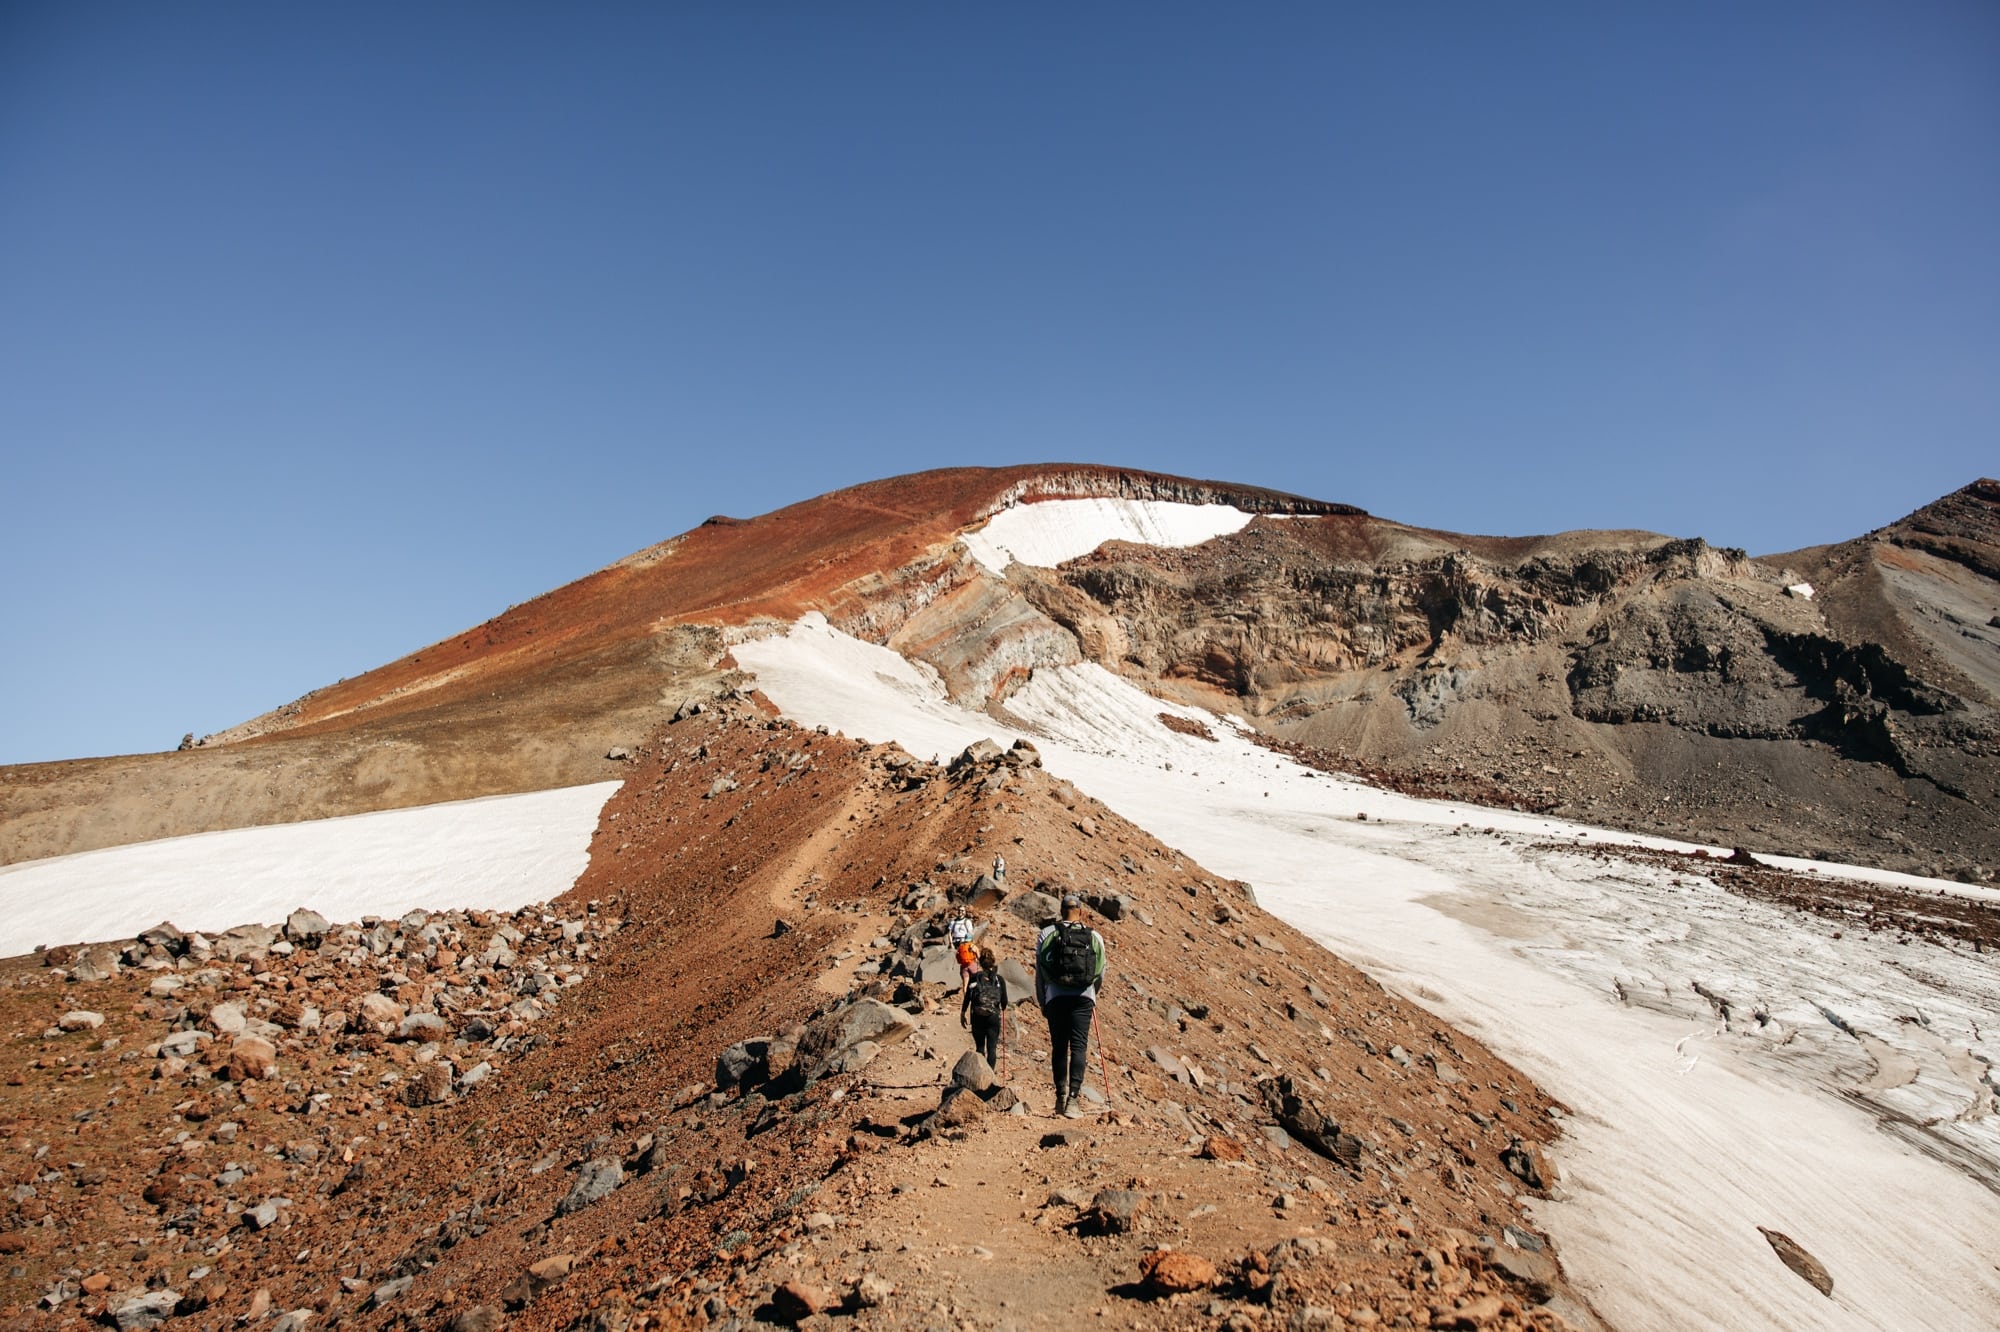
<point x="972" y="1072"/>
<point x="840" y="1032"/>
<point x="1020" y="983"/>
<point x="80" y="1020"/>
<point x="479" y="1318"/>
<point x="388" y="1291"/>
<point x="380" y="1013"/>
<point x="795" y="1301"/>
<point x="245" y="943"/>
<point x="743" y="1063"/>
<point x="939" y="965"/>
<point x="94" y="964"/>
<point x="252" y="1059"/>
<point x="227" y="1020"/>
<point x="148" y="1310"/>
<point x="1111" y="906"/>
<point x="959" y="1108"/>
<point x="1114" y="1211"/>
<point x="598" y="1179"/>
<point x="306" y="927"/>
<point x="984" y="894"/>
<point x="1023" y="755"/>
<point x="1220" y="1147"/>
<point x="1037" y="908"/>
<point x="978" y="752"/>
<point x="1523" y="1163"/>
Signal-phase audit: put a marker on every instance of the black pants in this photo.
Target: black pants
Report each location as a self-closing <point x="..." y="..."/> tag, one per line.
<point x="986" y="1037"/>
<point x="1069" y="1040"/>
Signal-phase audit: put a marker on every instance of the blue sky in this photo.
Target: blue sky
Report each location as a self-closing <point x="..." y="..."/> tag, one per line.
<point x="326" y="331"/>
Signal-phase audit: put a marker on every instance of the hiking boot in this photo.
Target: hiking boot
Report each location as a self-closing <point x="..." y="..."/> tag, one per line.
<point x="1070" y="1109"/>
<point x="1063" y="1107"/>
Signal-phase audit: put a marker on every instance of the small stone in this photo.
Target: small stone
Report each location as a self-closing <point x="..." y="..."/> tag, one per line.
<point x="1220" y="1147"/>
<point x="252" y="1059"/>
<point x="1116" y="1211"/>
<point x="428" y="1084"/>
<point x="388" y="1291"/>
<point x="959" y="1108"/>
<point x="551" y="1271"/>
<point x="972" y="1072"/>
<point x="80" y="1020"/>
<point x="227" y="1020"/>
<point x="380" y="1012"/>
<point x="264" y="1215"/>
<point x="479" y="1318"/>
<point x="148" y="1310"/>
<point x="793" y="1301"/>
<point x="872" y="1291"/>
<point x="1176" y="1272"/>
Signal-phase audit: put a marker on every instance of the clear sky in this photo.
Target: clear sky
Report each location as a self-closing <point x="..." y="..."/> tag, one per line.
<point x="327" y="331"/>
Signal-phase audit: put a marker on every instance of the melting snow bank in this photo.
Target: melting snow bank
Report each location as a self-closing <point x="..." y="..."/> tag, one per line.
<point x="1048" y="533"/>
<point x="1837" y="1089"/>
<point x="498" y="853"/>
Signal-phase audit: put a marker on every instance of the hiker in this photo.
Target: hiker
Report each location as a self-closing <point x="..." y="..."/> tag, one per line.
<point x="968" y="963"/>
<point x="1069" y="960"/>
<point x="999" y="869"/>
<point x="960" y="932"/>
<point x="984" y="1004"/>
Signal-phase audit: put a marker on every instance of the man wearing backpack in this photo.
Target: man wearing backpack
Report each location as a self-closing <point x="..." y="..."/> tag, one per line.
<point x="1069" y="961"/>
<point x="985" y="1003"/>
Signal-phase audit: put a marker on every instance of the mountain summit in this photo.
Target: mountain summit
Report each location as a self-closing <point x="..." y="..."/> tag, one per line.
<point x="1840" y="699"/>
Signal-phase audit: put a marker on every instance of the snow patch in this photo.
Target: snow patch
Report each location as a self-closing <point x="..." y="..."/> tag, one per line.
<point x="1691" y="1127"/>
<point x="498" y="853"/>
<point x="1048" y="533"/>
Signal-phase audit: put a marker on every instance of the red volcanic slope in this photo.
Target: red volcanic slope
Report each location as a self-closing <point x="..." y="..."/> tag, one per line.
<point x="731" y="571"/>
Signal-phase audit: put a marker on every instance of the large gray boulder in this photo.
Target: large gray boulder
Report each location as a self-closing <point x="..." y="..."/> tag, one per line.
<point x="1037" y="908"/>
<point x="1020" y="982"/>
<point x="831" y="1037"/>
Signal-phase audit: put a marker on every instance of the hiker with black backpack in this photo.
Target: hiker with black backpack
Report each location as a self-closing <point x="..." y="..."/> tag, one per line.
<point x="1069" y="961"/>
<point x="985" y="1004"/>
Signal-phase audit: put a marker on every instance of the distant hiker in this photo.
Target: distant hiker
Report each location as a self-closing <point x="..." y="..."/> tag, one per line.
<point x="999" y="868"/>
<point x="960" y="932"/>
<point x="1069" y="961"/>
<point x="983" y="1006"/>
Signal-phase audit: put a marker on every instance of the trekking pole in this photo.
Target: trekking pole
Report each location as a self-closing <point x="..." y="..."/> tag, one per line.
<point x="1102" y="1071"/>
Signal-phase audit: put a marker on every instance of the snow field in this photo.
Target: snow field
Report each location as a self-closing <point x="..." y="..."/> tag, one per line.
<point x="1857" y="1117"/>
<point x="498" y="853"/>
<point x="1052" y="531"/>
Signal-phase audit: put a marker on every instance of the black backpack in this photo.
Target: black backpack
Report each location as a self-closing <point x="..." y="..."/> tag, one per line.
<point x="989" y="994"/>
<point x="1069" y="958"/>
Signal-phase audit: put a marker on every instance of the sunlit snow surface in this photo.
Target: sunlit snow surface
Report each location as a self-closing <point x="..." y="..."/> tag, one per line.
<point x="1048" y="533"/>
<point x="1686" y="1135"/>
<point x="498" y="853"/>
